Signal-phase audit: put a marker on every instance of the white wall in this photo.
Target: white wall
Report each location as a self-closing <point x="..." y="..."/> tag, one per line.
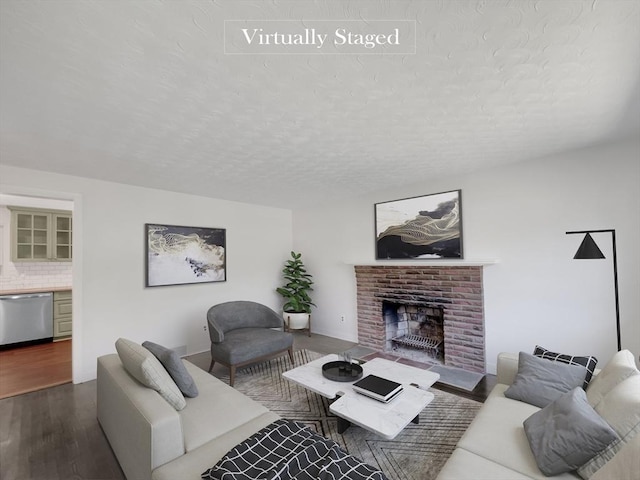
<point x="518" y="215"/>
<point x="110" y="300"/>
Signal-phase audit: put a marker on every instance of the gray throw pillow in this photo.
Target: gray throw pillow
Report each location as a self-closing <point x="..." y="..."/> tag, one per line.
<point x="539" y="381"/>
<point x="142" y="365"/>
<point x="567" y="433"/>
<point x="588" y="362"/>
<point x="174" y="366"/>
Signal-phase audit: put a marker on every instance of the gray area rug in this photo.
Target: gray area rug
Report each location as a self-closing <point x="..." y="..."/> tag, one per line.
<point x="456" y="377"/>
<point x="418" y="453"/>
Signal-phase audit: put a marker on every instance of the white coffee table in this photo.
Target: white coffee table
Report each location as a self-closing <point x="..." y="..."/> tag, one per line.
<point x="384" y="419"/>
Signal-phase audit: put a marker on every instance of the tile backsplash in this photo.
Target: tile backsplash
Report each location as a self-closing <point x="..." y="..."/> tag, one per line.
<point x="28" y="275"/>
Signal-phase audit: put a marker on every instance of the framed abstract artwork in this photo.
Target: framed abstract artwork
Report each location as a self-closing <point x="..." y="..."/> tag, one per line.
<point x="179" y="255"/>
<point x="427" y="227"/>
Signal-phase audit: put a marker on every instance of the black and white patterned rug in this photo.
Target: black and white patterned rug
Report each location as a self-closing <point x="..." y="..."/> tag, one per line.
<point x="418" y="453"/>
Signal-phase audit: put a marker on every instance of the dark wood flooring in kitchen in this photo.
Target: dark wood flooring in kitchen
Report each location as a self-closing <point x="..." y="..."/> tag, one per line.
<point x="53" y="433"/>
<point x="34" y="367"/>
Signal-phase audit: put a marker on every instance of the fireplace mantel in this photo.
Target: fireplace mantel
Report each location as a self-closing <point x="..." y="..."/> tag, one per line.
<point x="451" y="262"/>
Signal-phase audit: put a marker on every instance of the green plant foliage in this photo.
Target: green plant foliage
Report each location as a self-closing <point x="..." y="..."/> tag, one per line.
<point x="296" y="290"/>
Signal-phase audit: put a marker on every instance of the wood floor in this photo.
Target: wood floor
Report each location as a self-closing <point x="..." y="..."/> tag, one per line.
<point x="53" y="434"/>
<point x="27" y="369"/>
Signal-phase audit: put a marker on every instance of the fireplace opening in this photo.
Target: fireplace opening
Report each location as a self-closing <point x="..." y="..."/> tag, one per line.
<point x="415" y="332"/>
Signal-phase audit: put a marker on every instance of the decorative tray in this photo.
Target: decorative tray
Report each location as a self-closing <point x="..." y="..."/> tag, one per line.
<point x="341" y="371"/>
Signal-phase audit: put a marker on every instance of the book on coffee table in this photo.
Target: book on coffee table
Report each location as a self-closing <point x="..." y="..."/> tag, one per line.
<point x="378" y="388"/>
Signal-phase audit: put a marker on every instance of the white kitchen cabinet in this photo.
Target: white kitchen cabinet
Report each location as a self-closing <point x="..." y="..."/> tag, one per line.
<point x="62" y="314"/>
<point x="40" y="235"/>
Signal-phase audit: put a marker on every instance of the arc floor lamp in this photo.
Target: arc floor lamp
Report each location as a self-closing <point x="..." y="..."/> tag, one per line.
<point x="589" y="250"/>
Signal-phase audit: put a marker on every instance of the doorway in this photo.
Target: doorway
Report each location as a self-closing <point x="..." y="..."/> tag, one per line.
<point x="35" y="365"/>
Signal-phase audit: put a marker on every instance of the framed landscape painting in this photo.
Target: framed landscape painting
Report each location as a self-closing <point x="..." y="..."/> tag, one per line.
<point x="426" y="227"/>
<point x="181" y="255"/>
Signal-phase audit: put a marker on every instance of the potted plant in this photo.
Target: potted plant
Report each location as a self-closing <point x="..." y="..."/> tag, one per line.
<point x="297" y="306"/>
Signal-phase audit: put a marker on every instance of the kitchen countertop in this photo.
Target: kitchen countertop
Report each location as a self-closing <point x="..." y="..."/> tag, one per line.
<point x="19" y="291"/>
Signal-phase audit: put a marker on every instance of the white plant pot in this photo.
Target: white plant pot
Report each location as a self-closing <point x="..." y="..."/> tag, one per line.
<point x="296" y="321"/>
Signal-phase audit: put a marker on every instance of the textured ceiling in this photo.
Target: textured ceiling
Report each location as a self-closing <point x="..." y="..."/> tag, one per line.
<point x="142" y="92"/>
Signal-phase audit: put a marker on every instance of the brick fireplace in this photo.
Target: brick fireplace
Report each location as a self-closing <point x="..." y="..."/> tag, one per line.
<point x="420" y="294"/>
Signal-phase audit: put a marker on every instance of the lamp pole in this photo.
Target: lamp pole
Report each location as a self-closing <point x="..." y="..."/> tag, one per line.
<point x="615" y="272"/>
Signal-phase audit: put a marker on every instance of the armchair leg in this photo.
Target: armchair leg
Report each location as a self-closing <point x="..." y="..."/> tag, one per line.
<point x="291" y="354"/>
<point x="211" y="366"/>
<point x="232" y="375"/>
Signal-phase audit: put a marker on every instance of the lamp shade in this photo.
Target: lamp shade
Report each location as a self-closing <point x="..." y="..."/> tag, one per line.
<point x="588" y="249"/>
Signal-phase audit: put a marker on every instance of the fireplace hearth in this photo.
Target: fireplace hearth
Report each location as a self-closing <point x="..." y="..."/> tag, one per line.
<point x="428" y="314"/>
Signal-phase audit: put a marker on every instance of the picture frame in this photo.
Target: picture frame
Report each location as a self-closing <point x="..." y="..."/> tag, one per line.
<point x="427" y="227"/>
<point x="179" y="255"/>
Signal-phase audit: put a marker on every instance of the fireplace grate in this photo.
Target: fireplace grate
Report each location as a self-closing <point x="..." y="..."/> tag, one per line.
<point x="431" y="345"/>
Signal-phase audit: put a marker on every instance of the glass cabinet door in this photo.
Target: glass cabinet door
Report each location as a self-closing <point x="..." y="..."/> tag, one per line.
<point x="40" y="235"/>
<point x="62" y="237"/>
<point x="32" y="236"/>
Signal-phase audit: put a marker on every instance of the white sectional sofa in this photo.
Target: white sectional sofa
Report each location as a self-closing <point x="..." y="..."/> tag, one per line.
<point x="157" y="434"/>
<point x="153" y="440"/>
<point x="495" y="446"/>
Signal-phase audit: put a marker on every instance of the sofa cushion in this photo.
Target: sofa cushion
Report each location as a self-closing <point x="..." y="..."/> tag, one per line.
<point x="497" y="434"/>
<point x="589" y="362"/>
<point x="539" y="381"/>
<point x="463" y="464"/>
<point x="142" y="365"/>
<point x="217" y="410"/>
<point x="507" y="367"/>
<point x="191" y="465"/>
<point x="624" y="466"/>
<point x="174" y="367"/>
<point x="620" y="367"/>
<point x="245" y="344"/>
<point x="621" y="409"/>
<point x="567" y="433"/>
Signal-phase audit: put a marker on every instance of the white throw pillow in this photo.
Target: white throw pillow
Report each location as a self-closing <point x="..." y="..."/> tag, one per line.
<point x="620" y="367"/>
<point x="624" y="466"/>
<point x="620" y="408"/>
<point x="147" y="369"/>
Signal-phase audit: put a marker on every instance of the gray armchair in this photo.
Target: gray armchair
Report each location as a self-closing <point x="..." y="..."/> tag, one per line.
<point x="242" y="333"/>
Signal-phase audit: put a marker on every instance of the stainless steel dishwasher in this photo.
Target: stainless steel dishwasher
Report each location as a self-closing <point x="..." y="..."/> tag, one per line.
<point x="26" y="317"/>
